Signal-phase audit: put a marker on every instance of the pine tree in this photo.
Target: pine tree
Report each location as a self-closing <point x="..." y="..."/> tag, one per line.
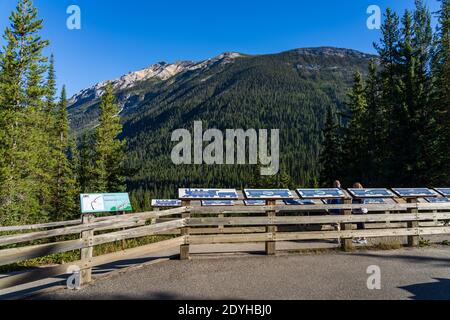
<point x="64" y="190"/>
<point x="423" y="117"/>
<point x="374" y="129"/>
<point x="355" y="140"/>
<point x="441" y="97"/>
<point x="21" y="72"/>
<point x="108" y="170"/>
<point x="331" y="154"/>
<point x="406" y="126"/>
<point x="389" y="55"/>
<point x="84" y="166"/>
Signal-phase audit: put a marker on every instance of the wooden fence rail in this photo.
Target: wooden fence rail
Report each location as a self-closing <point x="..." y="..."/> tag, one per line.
<point x="193" y="225"/>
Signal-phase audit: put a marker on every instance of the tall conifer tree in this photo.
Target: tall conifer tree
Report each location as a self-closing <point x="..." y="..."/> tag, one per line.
<point x="108" y="169"/>
<point x="21" y="72"/>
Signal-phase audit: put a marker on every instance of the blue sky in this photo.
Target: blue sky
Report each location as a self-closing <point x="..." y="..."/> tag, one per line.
<point x="119" y="36"/>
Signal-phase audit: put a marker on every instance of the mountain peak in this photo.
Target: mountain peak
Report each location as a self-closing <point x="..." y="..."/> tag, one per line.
<point x="159" y="71"/>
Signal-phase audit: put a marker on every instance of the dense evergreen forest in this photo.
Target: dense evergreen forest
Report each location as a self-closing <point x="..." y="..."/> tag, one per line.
<point x="381" y="120"/>
<point x="42" y="171"/>
<point x="290" y="91"/>
<point x="399" y="121"/>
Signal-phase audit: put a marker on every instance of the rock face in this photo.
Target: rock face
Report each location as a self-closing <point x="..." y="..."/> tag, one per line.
<point x="160" y="71"/>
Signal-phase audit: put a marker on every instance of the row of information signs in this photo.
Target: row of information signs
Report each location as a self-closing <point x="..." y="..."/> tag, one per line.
<point x="120" y="202"/>
<point x="258" y="197"/>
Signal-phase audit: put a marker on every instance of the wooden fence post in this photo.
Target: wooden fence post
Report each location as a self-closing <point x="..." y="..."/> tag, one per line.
<point x="347" y="243"/>
<point x="87" y="252"/>
<point x="221" y="226"/>
<point x="153" y="221"/>
<point x="184" y="248"/>
<point x="413" y="241"/>
<point x="271" y="245"/>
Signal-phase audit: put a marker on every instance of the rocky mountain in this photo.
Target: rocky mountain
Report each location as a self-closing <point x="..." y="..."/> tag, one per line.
<point x="289" y="91"/>
<point x="161" y="71"/>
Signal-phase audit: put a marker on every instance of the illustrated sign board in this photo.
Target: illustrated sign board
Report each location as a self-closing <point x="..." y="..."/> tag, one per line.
<point x="213" y="203"/>
<point x="105" y="202"/>
<point x="444" y="191"/>
<point x="297" y="202"/>
<point x="374" y="201"/>
<point x="371" y="193"/>
<point x="255" y="202"/>
<point x="166" y="203"/>
<point x="321" y="193"/>
<point x="438" y="200"/>
<point x="268" y="194"/>
<point x="415" y="192"/>
<point x="199" y="194"/>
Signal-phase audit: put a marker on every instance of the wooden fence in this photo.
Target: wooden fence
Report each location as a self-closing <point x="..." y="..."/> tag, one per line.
<point x="194" y="224"/>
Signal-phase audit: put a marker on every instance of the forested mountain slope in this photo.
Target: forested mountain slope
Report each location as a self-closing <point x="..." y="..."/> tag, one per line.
<point x="290" y="91"/>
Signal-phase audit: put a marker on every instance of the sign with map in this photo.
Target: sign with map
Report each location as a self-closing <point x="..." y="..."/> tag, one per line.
<point x="415" y="192"/>
<point x="207" y="194"/>
<point x="371" y="193"/>
<point x="437" y="200"/>
<point x="374" y="201"/>
<point x="444" y="191"/>
<point x="105" y="202"/>
<point x="297" y="202"/>
<point x="217" y="203"/>
<point x="251" y="203"/>
<point x="166" y="203"/>
<point x="268" y="194"/>
<point x="321" y="193"/>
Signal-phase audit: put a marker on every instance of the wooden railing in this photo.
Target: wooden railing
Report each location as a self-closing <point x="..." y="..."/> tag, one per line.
<point x="194" y="224"/>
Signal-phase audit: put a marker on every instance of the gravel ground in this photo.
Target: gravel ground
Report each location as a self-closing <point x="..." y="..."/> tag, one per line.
<point x="422" y="273"/>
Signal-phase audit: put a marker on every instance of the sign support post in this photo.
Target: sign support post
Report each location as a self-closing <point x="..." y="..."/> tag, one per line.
<point x="184" y="248"/>
<point x="271" y="245"/>
<point x="413" y="241"/>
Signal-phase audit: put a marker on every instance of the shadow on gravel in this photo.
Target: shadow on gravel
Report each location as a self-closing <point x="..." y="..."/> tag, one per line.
<point x="439" y="290"/>
<point x="409" y="258"/>
<point x="158" y="296"/>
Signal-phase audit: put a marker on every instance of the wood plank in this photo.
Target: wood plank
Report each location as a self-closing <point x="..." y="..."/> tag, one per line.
<point x="232" y="238"/>
<point x="331" y="219"/>
<point x="40" y="226"/>
<point x="114" y="223"/>
<point x="9" y="256"/>
<point x="284" y="208"/>
<point x="138" y="232"/>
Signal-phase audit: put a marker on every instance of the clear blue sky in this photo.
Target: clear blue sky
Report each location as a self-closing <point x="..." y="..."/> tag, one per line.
<point x="119" y="36"/>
